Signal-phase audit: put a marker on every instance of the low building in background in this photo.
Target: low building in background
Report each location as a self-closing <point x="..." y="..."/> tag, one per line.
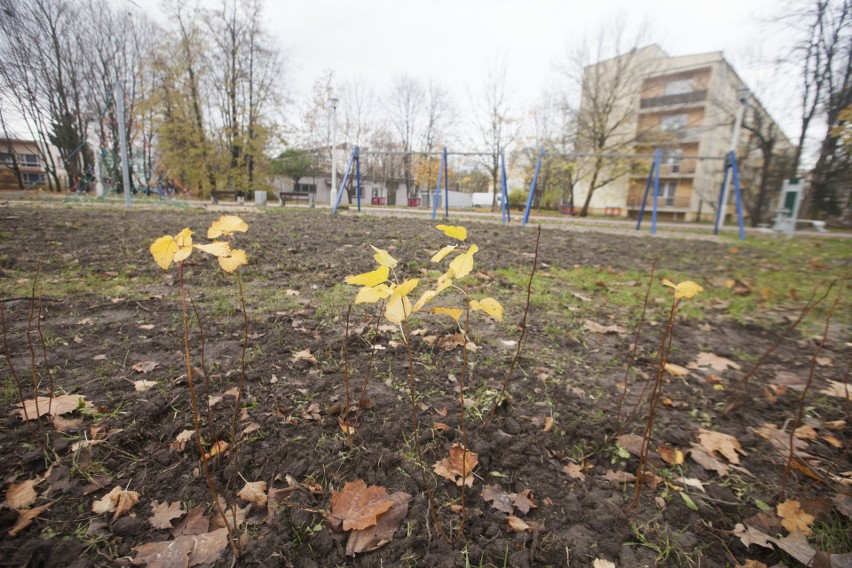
<point x="23" y="167"/>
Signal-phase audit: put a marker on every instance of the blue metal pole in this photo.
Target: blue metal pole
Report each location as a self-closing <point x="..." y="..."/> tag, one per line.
<point x="504" y="206"/>
<point x="647" y="189"/>
<point x="437" y="191"/>
<point x="358" y="179"/>
<point x="719" y="210"/>
<point x="735" y="170"/>
<point x="343" y="183"/>
<point x="658" y="158"/>
<point x="532" y="186"/>
<point x="446" y="182"/>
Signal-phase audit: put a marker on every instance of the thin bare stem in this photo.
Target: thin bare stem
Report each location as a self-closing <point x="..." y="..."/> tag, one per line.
<point x="801" y="411"/>
<point x="738" y="399"/>
<point x="636" y="338"/>
<point x="32" y="348"/>
<point x="345" y="421"/>
<point x="415" y="425"/>
<point x="44" y="356"/>
<point x="237" y="408"/>
<point x="664" y="350"/>
<point x="202" y="342"/>
<point x="362" y="399"/>
<point x="205" y="469"/>
<point x="14" y="371"/>
<point x="517" y="356"/>
<point x="465" y="339"/>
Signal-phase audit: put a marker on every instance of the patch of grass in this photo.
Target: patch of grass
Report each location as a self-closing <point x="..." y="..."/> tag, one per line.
<point x="665" y="543"/>
<point x="833" y="536"/>
<point x="331" y="302"/>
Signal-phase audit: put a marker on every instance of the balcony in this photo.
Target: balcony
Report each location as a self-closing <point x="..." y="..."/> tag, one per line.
<point x="670" y="100"/>
<point x="682" y="168"/>
<point x="657" y="137"/>
<point x="634" y="200"/>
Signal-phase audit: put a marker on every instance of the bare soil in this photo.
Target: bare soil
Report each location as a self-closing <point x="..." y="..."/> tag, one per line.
<point x="106" y="306"/>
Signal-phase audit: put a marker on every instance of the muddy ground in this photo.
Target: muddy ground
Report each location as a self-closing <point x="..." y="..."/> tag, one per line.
<point x="107" y="307"/>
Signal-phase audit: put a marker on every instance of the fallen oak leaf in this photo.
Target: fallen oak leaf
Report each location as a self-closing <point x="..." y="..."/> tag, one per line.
<point x="63" y="404"/>
<point x="145" y="366"/>
<point x="725" y="444"/>
<point x="21" y="495"/>
<point x="517" y="525"/>
<point x="574" y="471"/>
<point x="185" y="550"/>
<point x="118" y="500"/>
<point x="164" y="513"/>
<point x="304" y="355"/>
<point x="358" y="505"/>
<point x="500" y="500"/>
<point x="254" y="492"/>
<point x="793" y="518"/>
<point x="382" y="532"/>
<point x="705" y="359"/>
<point x="26" y="517"/>
<point x="181" y="439"/>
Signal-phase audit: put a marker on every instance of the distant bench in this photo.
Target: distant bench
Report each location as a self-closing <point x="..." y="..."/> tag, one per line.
<point x="284" y="196"/>
<point x="233" y="194"/>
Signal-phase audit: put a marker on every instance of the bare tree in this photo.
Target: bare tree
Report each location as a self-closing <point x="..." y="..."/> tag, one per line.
<point x="404" y="105"/>
<point x="494" y="125"/>
<point x="607" y="70"/>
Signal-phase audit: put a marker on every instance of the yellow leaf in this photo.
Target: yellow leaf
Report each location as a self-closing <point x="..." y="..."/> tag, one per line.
<point x="686" y="289"/>
<point x="371" y="295"/>
<point x="163" y="251"/>
<point x="439" y="256"/>
<point x="226" y="225"/>
<point x="453" y="232"/>
<point x="397" y="309"/>
<point x="182" y="254"/>
<point x="444" y="282"/>
<point x="383" y="258"/>
<point x="219" y="248"/>
<point x="424" y="299"/>
<point x="230" y="263"/>
<point x="488" y="305"/>
<point x="463" y="263"/>
<point x="406" y="287"/>
<point x="184" y="238"/>
<point x="454" y="313"/>
<point x="373" y="278"/>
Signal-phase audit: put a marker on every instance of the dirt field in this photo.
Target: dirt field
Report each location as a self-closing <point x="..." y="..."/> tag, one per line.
<point x="111" y="317"/>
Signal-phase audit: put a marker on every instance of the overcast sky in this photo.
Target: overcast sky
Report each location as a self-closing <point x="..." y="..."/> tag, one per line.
<point x="452" y="41"/>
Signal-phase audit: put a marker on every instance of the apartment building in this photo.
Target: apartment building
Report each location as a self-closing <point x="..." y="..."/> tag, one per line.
<point x="684" y="105"/>
<point x="22" y="165"/>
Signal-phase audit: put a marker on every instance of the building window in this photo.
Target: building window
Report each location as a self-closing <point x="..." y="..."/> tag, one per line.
<point x="673" y="122"/>
<point x="679" y="87"/>
<point x="305" y="188"/>
<point x="32" y="179"/>
<point x="6" y="158"/>
<point x="29" y="160"/>
<point x="671" y="157"/>
<point x="667" y="192"/>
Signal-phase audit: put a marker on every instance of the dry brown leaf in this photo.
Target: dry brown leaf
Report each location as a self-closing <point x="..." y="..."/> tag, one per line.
<point x="181" y="439"/>
<point x="21" y="495"/>
<point x="724" y="444"/>
<point x="500" y="500"/>
<point x="523" y="501"/>
<point x="517" y="525"/>
<point x="219" y="447"/>
<point x="602" y="563"/>
<point x="619" y="476"/>
<point x="26" y="517"/>
<point x="358" y="505"/>
<point x="838" y="389"/>
<point x="185" y="550"/>
<point x="631" y="442"/>
<point x="824" y="361"/>
<point x="671" y="456"/>
<point x="450" y="342"/>
<point x="195" y="522"/>
<point x="60" y="405"/>
<point x="164" y="513"/>
<point x="714" y="361"/>
<point x="118" y="500"/>
<point x="382" y="532"/>
<point x="793" y="518"/>
<point x="595" y="327"/>
<point x="254" y="492"/>
<point x="548" y="423"/>
<point x="217" y="522"/>
<point x="61" y="424"/>
<point x="145" y="366"/>
<point x="805" y="432"/>
<point x="750" y="535"/>
<point x="676" y="370"/>
<point x="304" y="355"/>
<point x="833" y="440"/>
<point x="143" y="385"/>
<point x="440" y="426"/>
<point x="834" y="425"/>
<point x="575" y="471"/>
<point x="707" y="461"/>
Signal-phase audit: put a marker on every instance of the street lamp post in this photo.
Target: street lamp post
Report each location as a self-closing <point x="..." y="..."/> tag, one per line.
<point x="742" y="98"/>
<point x="333" y="193"/>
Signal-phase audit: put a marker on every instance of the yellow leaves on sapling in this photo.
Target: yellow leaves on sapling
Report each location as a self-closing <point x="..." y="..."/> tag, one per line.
<point x="169" y="249"/>
<point x="453" y="231"/>
<point x="370" y="279"/>
<point x="383" y="258"/>
<point x="686" y="289"/>
<point x="371" y="295"/>
<point x="462" y="264"/>
<point x="233" y="261"/>
<point x="439" y="256"/>
<point x="225" y="226"/>
<point x="454" y="313"/>
<point x="397" y="309"/>
<point x="216" y="248"/>
<point x="488" y="305"/>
